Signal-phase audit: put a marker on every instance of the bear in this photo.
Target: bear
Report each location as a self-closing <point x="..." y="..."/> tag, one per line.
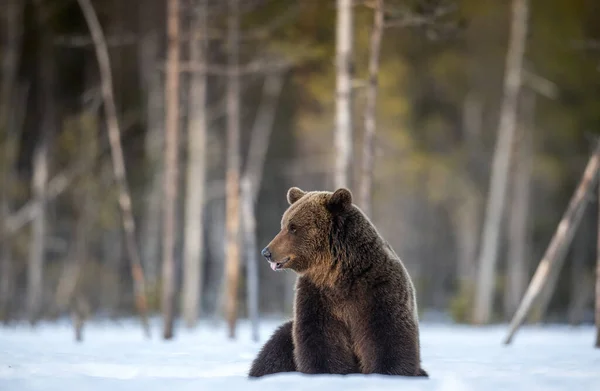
<point x="355" y="308"/>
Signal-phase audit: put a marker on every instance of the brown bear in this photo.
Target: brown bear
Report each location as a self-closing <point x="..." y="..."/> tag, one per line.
<point x="355" y="307"/>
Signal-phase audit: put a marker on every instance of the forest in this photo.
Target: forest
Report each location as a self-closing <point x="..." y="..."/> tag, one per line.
<point x="147" y="148"/>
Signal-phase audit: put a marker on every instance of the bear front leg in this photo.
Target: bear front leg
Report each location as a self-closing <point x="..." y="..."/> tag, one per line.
<point x="277" y="355"/>
<point x="321" y="342"/>
<point x="388" y="342"/>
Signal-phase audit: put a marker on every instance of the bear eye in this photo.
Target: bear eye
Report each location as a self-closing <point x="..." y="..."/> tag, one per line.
<point x="292" y="228"/>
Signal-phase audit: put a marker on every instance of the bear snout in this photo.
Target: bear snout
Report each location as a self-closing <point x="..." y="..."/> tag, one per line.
<point x="266" y="253"/>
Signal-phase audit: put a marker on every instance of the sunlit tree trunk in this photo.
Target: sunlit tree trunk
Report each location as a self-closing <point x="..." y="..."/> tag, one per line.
<point x="232" y="239"/>
<point x="196" y="173"/>
<point x="171" y="166"/>
<point x="366" y="185"/>
<point x="486" y="278"/>
<point x="345" y="71"/>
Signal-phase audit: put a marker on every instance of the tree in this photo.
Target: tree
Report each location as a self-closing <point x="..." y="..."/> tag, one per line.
<point x="196" y="172"/>
<point x="560" y="242"/>
<point x="366" y="183"/>
<point x="114" y="136"/>
<point x="155" y="133"/>
<point x="170" y="180"/>
<point x="232" y="239"/>
<point x="500" y="166"/>
<point x="8" y="123"/>
<point x="344" y="72"/>
<point x="35" y="270"/>
<point x="259" y="143"/>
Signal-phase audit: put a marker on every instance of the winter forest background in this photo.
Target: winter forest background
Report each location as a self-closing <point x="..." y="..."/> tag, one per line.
<point x="145" y="164"/>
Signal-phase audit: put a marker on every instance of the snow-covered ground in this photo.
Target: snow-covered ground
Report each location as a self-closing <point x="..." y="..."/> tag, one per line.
<point x="116" y="357"/>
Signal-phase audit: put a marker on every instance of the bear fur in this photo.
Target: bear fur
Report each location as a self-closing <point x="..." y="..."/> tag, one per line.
<point x="355" y="307"/>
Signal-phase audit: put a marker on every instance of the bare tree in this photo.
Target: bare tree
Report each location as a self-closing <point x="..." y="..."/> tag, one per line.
<point x="518" y="233"/>
<point x="154" y="142"/>
<point x="196" y="172"/>
<point x="344" y="71"/>
<point x="35" y="269"/>
<point x="13" y="14"/>
<point x="171" y="170"/>
<point x="232" y="239"/>
<point x="250" y="186"/>
<point x="114" y="135"/>
<point x="366" y="184"/>
<point x="559" y="243"/>
<point x="70" y="290"/>
<point x="501" y="162"/>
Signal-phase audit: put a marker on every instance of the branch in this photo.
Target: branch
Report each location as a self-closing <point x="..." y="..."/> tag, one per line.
<point x="258" y="66"/>
<point x="411" y="19"/>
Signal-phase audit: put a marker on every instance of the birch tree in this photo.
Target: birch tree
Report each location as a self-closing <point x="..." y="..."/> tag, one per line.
<point x="344" y="75"/>
<point x="170" y="180"/>
<point x="196" y="171"/>
<point x="500" y="166"/>
<point x="366" y="184"/>
<point x="232" y="236"/>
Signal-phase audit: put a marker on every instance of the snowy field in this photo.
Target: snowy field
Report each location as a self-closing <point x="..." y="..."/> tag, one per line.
<point x="115" y="357"/>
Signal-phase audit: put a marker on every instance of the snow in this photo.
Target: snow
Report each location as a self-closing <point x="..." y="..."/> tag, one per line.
<point x="115" y="356"/>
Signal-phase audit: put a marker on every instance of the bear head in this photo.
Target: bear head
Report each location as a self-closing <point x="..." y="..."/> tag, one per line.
<point x="304" y="243"/>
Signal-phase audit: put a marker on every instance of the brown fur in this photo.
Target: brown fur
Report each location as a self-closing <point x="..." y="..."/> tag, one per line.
<point x="355" y="308"/>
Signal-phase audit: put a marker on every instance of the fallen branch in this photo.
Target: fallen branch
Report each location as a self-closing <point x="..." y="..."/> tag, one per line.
<point x="559" y="243"/>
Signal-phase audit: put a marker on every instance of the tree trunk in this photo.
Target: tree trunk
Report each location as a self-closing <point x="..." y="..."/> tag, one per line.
<point x="154" y="143"/>
<point x="366" y="183"/>
<point x="559" y="243"/>
<point x="35" y="272"/>
<point x="232" y="240"/>
<point x="171" y="169"/>
<point x="259" y="143"/>
<point x="11" y="53"/>
<point x="519" y="236"/>
<point x="486" y="279"/>
<point x="344" y="69"/>
<point x="196" y="174"/>
<point x="114" y="135"/>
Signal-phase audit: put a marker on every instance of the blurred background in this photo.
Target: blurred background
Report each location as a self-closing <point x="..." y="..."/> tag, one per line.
<point x="147" y="148"/>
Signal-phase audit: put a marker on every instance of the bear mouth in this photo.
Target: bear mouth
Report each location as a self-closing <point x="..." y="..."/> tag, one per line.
<point x="279" y="265"/>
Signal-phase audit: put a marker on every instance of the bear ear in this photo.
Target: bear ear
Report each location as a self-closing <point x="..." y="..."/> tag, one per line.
<point x="294" y="194"/>
<point x="340" y="201"/>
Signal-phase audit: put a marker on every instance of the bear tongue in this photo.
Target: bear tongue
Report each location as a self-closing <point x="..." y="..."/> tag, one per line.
<point x="273" y="265"/>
